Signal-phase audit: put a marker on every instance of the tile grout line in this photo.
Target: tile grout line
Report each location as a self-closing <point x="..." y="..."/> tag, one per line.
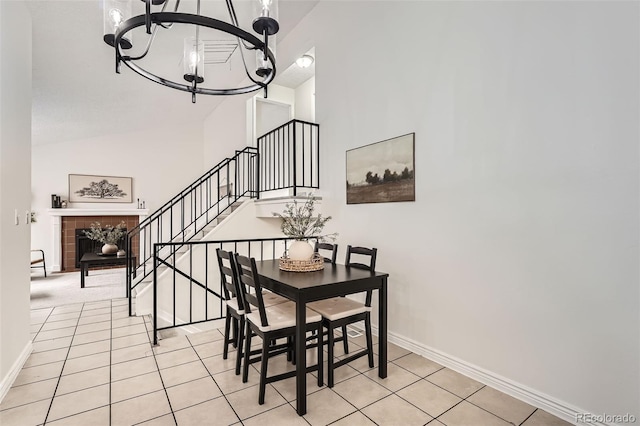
<point x="46" y="417"/>
<point x="214" y="380"/>
<point x="110" y="358"/>
<point x="404" y="387"/>
<point x="528" y="417"/>
<point x="155" y="360"/>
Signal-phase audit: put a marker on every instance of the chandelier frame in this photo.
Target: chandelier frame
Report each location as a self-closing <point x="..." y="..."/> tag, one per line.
<point x="168" y="18"/>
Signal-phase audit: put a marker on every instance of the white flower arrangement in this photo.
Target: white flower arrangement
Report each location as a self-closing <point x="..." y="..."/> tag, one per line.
<point x="299" y="222"/>
<point x="108" y="235"/>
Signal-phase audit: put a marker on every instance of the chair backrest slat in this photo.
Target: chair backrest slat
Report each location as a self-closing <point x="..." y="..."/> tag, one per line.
<point x="333" y="248"/>
<point x="228" y="276"/>
<point x="250" y="289"/>
<point x="367" y="252"/>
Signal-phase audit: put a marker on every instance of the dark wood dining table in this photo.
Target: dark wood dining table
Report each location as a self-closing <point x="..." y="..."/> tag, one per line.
<point x="332" y="281"/>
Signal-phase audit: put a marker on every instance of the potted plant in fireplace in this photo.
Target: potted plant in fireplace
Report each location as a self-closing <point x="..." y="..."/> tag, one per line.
<point x="108" y="236"/>
<point x="300" y="221"/>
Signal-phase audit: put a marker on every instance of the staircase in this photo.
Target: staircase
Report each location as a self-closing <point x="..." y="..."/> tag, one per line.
<point x="142" y="285"/>
<point x="175" y="240"/>
<point x="190" y="215"/>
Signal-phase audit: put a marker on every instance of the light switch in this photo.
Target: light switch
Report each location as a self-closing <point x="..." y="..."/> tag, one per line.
<point x="17" y="217"/>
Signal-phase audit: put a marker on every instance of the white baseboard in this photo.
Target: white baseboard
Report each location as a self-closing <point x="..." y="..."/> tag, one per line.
<point x="538" y="399"/>
<point x="11" y="376"/>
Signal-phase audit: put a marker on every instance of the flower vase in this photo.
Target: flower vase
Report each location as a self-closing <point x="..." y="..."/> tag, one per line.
<point x="109" y="249"/>
<point x="300" y="250"/>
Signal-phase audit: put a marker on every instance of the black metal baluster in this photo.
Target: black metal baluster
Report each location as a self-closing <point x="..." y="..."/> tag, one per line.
<point x="295" y="162"/>
<point x="303" y="156"/>
<point x="318" y="156"/>
<point x="206" y="281"/>
<point x="173" y="264"/>
<point x="277" y="143"/>
<point x="156" y="262"/>
<point x="190" y="283"/>
<point x="258" y="171"/>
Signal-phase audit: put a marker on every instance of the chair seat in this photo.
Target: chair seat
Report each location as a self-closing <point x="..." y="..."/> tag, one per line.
<point x="271" y="299"/>
<point x="338" y="307"/>
<point x="233" y="304"/>
<point x="33" y="262"/>
<point x="281" y="316"/>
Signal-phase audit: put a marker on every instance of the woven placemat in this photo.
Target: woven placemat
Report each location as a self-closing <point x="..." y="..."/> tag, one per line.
<point x="316" y="263"/>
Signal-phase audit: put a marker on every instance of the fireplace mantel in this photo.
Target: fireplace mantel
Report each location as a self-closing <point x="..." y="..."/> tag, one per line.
<point x="98" y="212"/>
<point x="56" y="225"/>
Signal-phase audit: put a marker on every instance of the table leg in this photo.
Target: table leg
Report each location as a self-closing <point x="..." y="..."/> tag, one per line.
<point x="301" y="358"/>
<point x="382" y="329"/>
<point x="82" y="271"/>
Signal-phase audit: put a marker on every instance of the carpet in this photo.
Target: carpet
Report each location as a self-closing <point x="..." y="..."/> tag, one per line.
<point x="64" y="288"/>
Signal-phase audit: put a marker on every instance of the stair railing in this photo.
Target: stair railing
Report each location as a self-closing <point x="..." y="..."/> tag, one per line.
<point x="195" y="277"/>
<point x="290" y="157"/>
<point x="191" y="210"/>
<point x="287" y="157"/>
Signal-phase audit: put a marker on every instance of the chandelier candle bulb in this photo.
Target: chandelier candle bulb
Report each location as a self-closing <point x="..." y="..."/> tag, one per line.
<point x="115" y="13"/>
<point x="193" y="60"/>
<point x="268" y="8"/>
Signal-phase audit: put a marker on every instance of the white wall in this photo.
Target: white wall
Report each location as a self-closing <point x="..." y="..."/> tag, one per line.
<point x="306" y="101"/>
<point x="227" y="128"/>
<point x="520" y="254"/>
<point x="15" y="183"/>
<point x="162" y="162"/>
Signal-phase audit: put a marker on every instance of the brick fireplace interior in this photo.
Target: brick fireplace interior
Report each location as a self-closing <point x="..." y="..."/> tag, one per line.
<point x="71" y="223"/>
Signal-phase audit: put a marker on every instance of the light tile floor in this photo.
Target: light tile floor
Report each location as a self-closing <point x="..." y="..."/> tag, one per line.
<point x="92" y="364"/>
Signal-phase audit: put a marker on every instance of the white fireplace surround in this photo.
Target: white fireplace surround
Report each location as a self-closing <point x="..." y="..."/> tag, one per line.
<point x="56" y="226"/>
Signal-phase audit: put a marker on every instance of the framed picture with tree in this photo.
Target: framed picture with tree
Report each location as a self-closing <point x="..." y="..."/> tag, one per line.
<point x="100" y="189"/>
<point x="382" y="172"/>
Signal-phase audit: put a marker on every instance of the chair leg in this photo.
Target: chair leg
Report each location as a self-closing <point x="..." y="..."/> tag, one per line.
<point x="263" y="371"/>
<point x="345" y="342"/>
<point x="290" y="357"/>
<point x="320" y="356"/>
<point x="330" y="357"/>
<point x="44" y="266"/>
<point x="234" y="332"/>
<point x="240" y="342"/>
<point x="247" y="350"/>
<point x="227" y="324"/>
<point x="367" y="326"/>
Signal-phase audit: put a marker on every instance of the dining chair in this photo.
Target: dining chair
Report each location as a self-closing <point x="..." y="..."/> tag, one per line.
<point x="234" y="319"/>
<point x="332" y="248"/>
<point x="333" y="253"/>
<point x="338" y="312"/>
<point x="36" y="261"/>
<point x="270" y="323"/>
<point x="235" y="316"/>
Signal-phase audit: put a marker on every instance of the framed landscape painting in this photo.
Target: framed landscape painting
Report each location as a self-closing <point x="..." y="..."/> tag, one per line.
<point x="100" y="189"/>
<point x="382" y="172"/>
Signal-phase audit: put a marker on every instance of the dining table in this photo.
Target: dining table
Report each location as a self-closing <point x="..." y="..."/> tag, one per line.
<point x="332" y="281"/>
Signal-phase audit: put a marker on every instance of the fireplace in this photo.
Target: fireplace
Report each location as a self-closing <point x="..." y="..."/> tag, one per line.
<point x="86" y="245"/>
<point x="64" y="222"/>
<point x="75" y="243"/>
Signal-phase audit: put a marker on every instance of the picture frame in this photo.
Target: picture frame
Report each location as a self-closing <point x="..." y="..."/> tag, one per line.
<point x="100" y="189"/>
<point x="382" y="172"/>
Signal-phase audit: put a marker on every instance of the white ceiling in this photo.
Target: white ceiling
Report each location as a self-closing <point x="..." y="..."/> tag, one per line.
<point x="78" y="95"/>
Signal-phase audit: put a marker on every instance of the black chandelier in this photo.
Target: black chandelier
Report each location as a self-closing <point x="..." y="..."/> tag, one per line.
<point x="118" y="26"/>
